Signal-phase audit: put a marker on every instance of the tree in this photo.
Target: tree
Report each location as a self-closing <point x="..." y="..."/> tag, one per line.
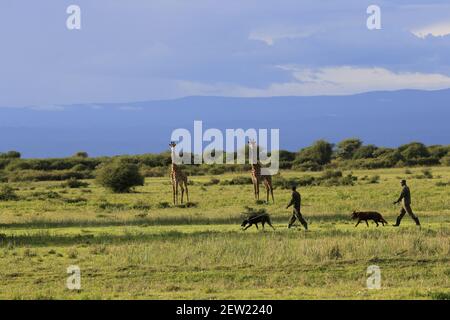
<point x="11" y="155"/>
<point x="365" y="152"/>
<point x="81" y="154"/>
<point x="347" y="148"/>
<point x="119" y="176"/>
<point x="414" y="150"/>
<point x="320" y="153"/>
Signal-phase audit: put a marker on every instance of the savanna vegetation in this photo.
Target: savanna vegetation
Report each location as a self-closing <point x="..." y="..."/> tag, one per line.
<point x="136" y="245"/>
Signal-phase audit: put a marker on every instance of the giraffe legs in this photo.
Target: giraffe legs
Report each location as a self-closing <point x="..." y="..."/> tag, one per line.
<point x="256" y="190"/>
<point x="182" y="192"/>
<point x="173" y="188"/>
<point x="187" y="191"/>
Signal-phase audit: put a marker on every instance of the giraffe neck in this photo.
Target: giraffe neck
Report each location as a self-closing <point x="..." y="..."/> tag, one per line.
<point x="256" y="170"/>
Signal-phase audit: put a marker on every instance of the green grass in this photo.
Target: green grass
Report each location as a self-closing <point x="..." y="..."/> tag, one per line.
<point x="129" y="246"/>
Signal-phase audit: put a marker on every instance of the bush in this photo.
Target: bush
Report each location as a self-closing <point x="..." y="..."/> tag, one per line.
<point x="445" y="161"/>
<point x="155" y="172"/>
<point x="374" y="179"/>
<point x="163" y="205"/>
<point x="81" y="154"/>
<point x="7" y="194"/>
<point x="426" y="174"/>
<point x="119" y="176"/>
<point x="283" y="183"/>
<point x="211" y="182"/>
<point x="10" y="155"/>
<point x="74" y="183"/>
<point x="237" y="181"/>
<point x="336" y="178"/>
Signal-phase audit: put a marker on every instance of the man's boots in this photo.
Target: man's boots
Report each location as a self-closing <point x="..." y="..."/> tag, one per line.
<point x="399" y="219"/>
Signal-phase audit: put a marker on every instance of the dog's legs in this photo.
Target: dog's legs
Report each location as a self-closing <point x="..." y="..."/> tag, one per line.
<point x="367" y="222"/>
<point x="359" y="221"/>
<point x="270" y="224"/>
<point x="256" y="226"/>
<point x="248" y="227"/>
<point x="377" y="224"/>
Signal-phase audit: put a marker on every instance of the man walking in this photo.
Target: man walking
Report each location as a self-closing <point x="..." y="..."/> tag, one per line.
<point x="296" y="202"/>
<point x="405" y="196"/>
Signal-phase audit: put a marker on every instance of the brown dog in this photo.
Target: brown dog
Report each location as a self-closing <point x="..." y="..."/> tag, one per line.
<point x="366" y="216"/>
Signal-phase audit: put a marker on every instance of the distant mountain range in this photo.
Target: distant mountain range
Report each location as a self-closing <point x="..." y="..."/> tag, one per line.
<point x="381" y="118"/>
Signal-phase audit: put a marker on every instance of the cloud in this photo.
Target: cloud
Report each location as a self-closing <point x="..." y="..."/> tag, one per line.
<point x="341" y="80"/>
<point x="48" y="108"/>
<point x="436" y="30"/>
<point x="270" y="35"/>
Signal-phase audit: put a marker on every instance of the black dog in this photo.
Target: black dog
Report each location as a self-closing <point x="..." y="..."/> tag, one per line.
<point x="255" y="219"/>
<point x="365" y="216"/>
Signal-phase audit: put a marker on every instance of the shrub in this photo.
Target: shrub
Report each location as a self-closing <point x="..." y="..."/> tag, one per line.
<point x="119" y="176"/>
<point x="7" y="194"/>
<point x="445" y="161"/>
<point x="74" y="200"/>
<point x="140" y="205"/>
<point x="163" y="205"/>
<point x="10" y="155"/>
<point x="105" y="205"/>
<point x="283" y="183"/>
<point x="237" y="181"/>
<point x="74" y="183"/>
<point x="427" y="173"/>
<point x="155" y="172"/>
<point x="336" y="178"/>
<point x="81" y="154"/>
<point x="211" y="182"/>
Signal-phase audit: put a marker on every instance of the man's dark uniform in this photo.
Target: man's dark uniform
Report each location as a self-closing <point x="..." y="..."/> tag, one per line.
<point x="296" y="202"/>
<point x="405" y="198"/>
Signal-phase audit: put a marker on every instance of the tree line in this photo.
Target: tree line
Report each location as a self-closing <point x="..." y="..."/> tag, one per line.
<point x="321" y="155"/>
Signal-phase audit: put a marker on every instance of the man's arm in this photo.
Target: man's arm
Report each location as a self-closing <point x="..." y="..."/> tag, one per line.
<point x="290" y="203"/>
<point x="402" y="195"/>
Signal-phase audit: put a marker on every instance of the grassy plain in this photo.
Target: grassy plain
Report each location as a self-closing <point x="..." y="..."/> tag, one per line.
<point x="130" y="246"/>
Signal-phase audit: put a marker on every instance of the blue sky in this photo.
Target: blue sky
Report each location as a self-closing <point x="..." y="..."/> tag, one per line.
<point x="160" y="49"/>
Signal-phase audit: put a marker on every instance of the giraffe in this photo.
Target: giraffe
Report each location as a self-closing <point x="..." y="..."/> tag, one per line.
<point x="256" y="174"/>
<point x="177" y="177"/>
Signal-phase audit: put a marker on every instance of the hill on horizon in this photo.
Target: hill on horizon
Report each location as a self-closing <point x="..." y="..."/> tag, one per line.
<point x="381" y="118"/>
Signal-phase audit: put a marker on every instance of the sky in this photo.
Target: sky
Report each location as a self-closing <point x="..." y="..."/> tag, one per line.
<point x="139" y="50"/>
